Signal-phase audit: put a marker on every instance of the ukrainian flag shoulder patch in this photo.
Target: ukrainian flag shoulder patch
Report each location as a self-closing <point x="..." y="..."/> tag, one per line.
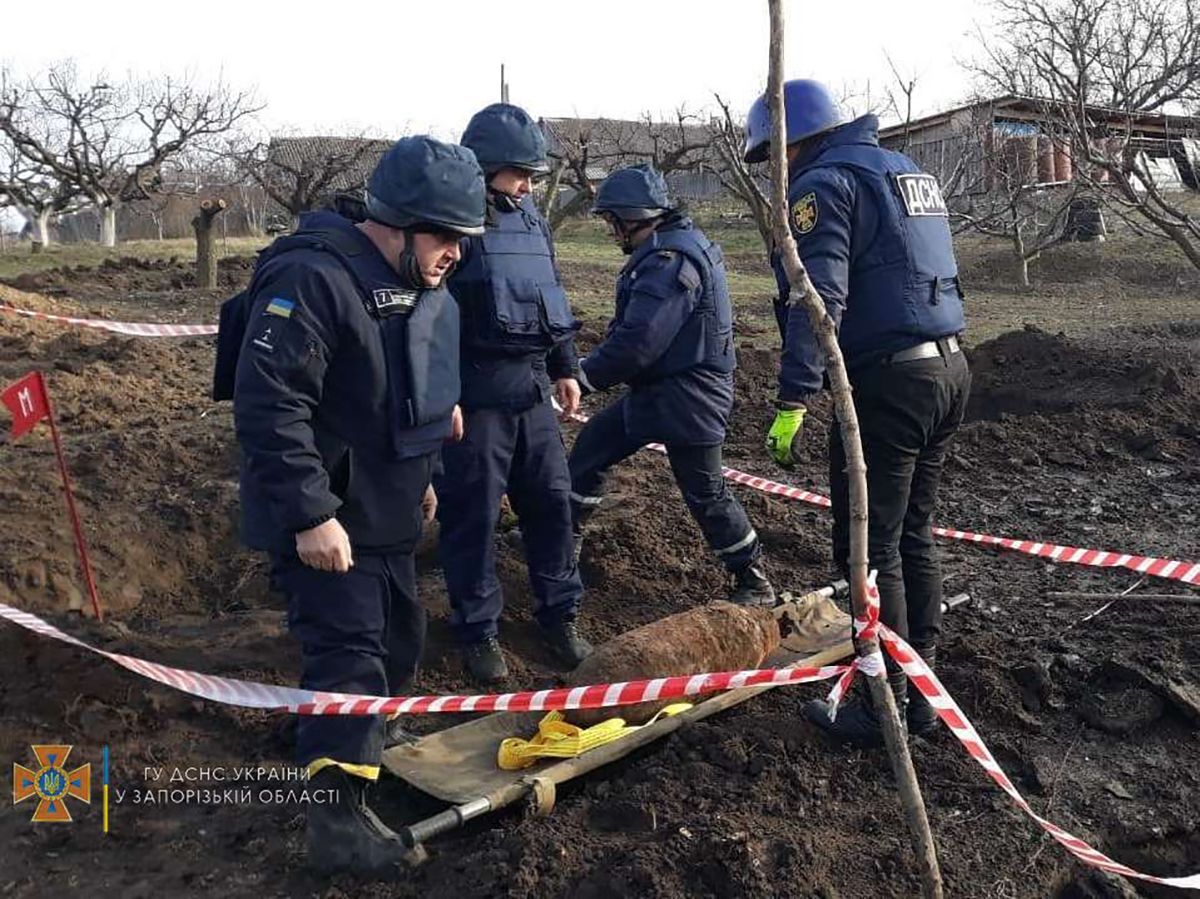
<point x="281" y="307"/>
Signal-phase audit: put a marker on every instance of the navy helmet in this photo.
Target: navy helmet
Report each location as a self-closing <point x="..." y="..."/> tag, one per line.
<point x="422" y="182"/>
<point x="503" y="135"/>
<point x="633" y="194"/>
<point x="808" y="107"/>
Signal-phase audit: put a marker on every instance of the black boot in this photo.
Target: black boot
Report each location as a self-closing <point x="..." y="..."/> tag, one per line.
<point x="751" y="587"/>
<point x="485" y="661"/>
<point x="567" y="644"/>
<point x="922" y="719"/>
<point x="857" y="722"/>
<point x="345" y="835"/>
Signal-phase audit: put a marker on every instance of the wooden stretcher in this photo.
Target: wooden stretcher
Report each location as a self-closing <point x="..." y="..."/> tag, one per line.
<point x="458" y="764"/>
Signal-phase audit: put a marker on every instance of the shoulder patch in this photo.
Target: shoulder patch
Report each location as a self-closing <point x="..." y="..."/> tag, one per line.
<point x="688" y="276"/>
<point x="921" y="195"/>
<point x="805" y="212"/>
<point x="281" y="307"/>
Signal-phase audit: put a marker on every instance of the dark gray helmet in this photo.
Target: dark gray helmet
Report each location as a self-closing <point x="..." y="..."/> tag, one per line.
<point x="424" y="182"/>
<point x="503" y="135"/>
<point x="635" y="193"/>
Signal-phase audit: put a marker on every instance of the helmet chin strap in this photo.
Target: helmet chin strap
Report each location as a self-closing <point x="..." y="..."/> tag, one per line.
<point x="626" y="231"/>
<point x="408" y="267"/>
<point x="504" y="202"/>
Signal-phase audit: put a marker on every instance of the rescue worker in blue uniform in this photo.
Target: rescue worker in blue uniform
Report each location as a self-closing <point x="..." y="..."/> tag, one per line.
<point x="873" y="233"/>
<point x="671" y="341"/>
<point x="518" y="354"/>
<point x="346" y="388"/>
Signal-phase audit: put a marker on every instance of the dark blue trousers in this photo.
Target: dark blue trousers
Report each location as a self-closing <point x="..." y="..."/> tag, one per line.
<point x="605" y="441"/>
<point x="521" y="454"/>
<point x="359" y="632"/>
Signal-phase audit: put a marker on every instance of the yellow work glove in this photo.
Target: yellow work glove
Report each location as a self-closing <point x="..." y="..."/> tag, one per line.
<point x="784" y="431"/>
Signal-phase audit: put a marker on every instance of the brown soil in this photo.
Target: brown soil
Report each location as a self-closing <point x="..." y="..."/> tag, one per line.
<point x="1090" y="441"/>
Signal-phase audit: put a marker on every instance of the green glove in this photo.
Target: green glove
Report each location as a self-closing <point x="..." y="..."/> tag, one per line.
<point x="783" y="433"/>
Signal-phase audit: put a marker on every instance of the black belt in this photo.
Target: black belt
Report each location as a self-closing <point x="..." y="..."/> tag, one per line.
<point x="930" y="349"/>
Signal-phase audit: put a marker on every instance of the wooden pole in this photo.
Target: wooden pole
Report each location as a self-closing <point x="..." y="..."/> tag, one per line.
<point x="856" y="468"/>
<point x="85" y="563"/>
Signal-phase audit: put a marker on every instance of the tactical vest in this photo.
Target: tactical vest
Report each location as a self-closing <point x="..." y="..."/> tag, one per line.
<point x="904" y="282"/>
<point x="706" y="338"/>
<point x="419" y="330"/>
<point x="508" y="289"/>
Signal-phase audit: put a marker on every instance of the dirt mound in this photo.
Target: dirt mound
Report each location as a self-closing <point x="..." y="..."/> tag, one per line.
<point x="1028" y="371"/>
<point x="129" y="274"/>
<point x="153" y="467"/>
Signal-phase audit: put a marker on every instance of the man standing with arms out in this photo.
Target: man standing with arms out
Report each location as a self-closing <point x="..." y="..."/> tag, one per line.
<point x="873" y="233"/>
<point x="517" y="337"/>
<point x="346" y="387"/>
<point x="671" y="341"/>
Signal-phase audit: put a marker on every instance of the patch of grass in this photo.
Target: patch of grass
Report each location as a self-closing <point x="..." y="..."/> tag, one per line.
<point x="16" y="259"/>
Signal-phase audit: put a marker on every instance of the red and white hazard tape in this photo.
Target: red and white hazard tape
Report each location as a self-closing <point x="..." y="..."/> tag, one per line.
<point x="866" y="629"/>
<point x="1172" y="569"/>
<point x="130" y="329"/>
<point x="1187" y="572"/>
<point x="947" y="709"/>
<point x="231" y="691"/>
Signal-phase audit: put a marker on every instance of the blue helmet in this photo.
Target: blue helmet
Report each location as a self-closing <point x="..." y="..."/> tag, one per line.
<point x="633" y="193"/>
<point x="504" y="135"/>
<point x="422" y="181"/>
<point x="808" y="107"/>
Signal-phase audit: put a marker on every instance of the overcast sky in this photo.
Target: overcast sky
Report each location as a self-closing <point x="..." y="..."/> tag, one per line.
<point x="407" y="66"/>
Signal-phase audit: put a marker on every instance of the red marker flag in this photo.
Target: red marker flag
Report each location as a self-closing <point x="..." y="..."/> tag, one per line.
<point x="27" y="401"/>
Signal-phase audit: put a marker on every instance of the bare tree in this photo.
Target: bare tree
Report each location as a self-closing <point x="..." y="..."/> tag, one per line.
<point x="1030" y="215"/>
<point x="736" y="175"/>
<point x="903" y="108"/>
<point x="299" y="173"/>
<point x="1006" y="180"/>
<point x="583" y="151"/>
<point x="110" y="142"/>
<point x="34" y="193"/>
<point x="1100" y="65"/>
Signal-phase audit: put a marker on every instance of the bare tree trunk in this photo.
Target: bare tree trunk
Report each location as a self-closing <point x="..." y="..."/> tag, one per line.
<point x="550" y="189"/>
<point x="41" y="230"/>
<point x="108" y="226"/>
<point x="856" y="468"/>
<point x="206" y="250"/>
<point x="1022" y="257"/>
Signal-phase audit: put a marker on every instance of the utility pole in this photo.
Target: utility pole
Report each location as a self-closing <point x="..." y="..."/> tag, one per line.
<point x="503" y="85"/>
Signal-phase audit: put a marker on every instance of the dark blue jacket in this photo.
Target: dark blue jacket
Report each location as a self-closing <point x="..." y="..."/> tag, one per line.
<point x="345" y="385"/>
<point x="671" y="339"/>
<point x="874" y="236"/>
<point x="517" y="327"/>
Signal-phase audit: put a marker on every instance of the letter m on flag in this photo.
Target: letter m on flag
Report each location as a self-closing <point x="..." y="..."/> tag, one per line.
<point x="26" y="399"/>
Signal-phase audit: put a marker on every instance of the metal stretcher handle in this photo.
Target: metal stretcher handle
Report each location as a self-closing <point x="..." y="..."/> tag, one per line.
<point x="444" y="822"/>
